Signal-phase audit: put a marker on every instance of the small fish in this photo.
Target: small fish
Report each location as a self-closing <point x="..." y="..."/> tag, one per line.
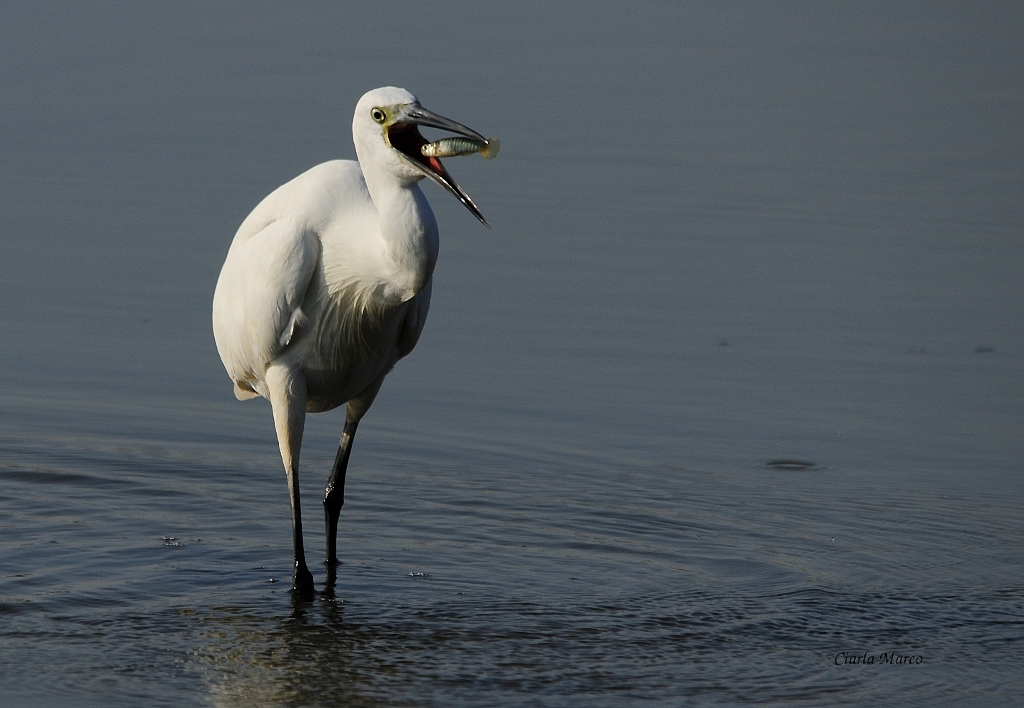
<point x="454" y="147"/>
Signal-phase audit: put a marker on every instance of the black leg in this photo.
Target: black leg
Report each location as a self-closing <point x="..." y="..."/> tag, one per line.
<point x="334" y="494"/>
<point x="302" y="579"/>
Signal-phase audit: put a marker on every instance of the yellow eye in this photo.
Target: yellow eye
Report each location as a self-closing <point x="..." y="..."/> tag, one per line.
<point x="378" y="115"/>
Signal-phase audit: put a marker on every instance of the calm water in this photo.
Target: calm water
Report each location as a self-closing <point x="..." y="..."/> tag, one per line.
<point x="725" y="236"/>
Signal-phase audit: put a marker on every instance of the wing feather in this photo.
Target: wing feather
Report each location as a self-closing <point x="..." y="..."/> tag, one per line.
<point x="257" y="306"/>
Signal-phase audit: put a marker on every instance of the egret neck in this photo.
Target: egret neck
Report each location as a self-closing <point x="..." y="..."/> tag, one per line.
<point x="407" y="227"/>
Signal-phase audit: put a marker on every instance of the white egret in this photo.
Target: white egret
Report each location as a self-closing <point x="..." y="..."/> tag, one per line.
<point x="327" y="285"/>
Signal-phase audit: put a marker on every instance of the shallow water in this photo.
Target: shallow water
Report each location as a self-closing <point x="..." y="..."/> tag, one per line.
<point x="723" y="241"/>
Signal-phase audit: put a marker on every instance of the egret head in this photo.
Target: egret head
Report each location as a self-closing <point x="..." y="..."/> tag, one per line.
<point x="385" y="130"/>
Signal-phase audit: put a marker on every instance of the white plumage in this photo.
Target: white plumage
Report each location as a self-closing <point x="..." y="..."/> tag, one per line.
<point x="327" y="285"/>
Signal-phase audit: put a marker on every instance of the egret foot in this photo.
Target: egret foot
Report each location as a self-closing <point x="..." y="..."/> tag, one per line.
<point x="331" y="580"/>
<point x="302" y="582"/>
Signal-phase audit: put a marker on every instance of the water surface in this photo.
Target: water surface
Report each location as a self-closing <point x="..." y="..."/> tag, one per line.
<point x="724" y="237"/>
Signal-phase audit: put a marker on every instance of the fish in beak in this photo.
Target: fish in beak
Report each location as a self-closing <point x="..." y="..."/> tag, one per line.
<point x="402" y="134"/>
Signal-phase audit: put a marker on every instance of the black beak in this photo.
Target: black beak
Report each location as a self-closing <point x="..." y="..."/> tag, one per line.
<point x="404" y="136"/>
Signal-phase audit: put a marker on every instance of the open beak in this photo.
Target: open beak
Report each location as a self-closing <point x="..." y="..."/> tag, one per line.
<point x="404" y="136"/>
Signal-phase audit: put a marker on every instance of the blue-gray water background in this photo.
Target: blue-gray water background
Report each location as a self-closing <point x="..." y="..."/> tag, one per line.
<point x="724" y="234"/>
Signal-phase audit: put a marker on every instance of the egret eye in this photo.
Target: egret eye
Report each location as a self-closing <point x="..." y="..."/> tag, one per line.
<point x="378" y="115"/>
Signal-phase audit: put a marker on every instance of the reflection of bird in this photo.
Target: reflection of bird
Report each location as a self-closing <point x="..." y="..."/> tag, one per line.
<point x="327" y="284"/>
